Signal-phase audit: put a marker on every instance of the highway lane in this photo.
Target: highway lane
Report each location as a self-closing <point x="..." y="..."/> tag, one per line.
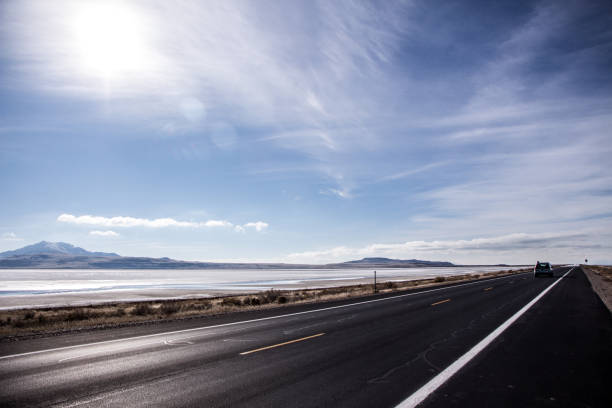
<point x="559" y="354"/>
<point x="369" y="353"/>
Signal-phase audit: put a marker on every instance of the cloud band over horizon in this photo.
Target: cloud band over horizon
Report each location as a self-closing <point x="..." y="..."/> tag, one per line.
<point x="445" y="250"/>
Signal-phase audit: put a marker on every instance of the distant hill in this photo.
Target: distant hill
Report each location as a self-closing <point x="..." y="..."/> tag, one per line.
<point x="52" y="248"/>
<point x="386" y="262"/>
<point x="50" y="255"/>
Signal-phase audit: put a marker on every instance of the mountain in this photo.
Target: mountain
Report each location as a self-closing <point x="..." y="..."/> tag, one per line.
<point x="62" y="255"/>
<point x="53" y="248"/>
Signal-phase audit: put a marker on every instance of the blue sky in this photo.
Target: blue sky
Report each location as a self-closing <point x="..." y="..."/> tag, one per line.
<point x="473" y="132"/>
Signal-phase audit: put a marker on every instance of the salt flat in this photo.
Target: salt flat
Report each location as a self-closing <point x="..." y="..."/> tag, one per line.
<point x="57" y="287"/>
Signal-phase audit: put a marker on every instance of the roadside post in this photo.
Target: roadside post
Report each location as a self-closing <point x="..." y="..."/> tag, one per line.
<point x="374" y="281"/>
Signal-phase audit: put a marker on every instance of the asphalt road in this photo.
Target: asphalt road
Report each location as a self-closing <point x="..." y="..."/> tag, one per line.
<point x="371" y="353"/>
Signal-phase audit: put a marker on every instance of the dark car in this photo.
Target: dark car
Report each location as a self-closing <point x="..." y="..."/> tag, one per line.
<point x="542" y="269"/>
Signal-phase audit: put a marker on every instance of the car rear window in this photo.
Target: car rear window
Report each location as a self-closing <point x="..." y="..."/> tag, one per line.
<point x="543" y="265"/>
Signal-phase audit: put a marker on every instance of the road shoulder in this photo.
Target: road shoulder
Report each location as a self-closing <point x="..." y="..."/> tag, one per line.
<point x="600" y="278"/>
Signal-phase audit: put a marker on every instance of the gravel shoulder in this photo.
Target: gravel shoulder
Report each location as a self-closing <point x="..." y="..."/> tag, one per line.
<point x="601" y="282"/>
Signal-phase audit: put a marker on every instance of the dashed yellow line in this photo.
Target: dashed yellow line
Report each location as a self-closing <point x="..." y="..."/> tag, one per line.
<point x="442" y="301"/>
<point x="281" y="344"/>
<point x="488" y="289"/>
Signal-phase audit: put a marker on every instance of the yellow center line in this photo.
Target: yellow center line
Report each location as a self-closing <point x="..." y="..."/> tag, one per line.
<point x="281" y="344"/>
<point x="488" y="289"/>
<point x="442" y="301"/>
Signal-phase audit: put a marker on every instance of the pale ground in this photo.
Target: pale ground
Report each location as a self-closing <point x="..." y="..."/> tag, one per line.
<point x="92" y="298"/>
<point x="46" y="320"/>
<point x="103" y="286"/>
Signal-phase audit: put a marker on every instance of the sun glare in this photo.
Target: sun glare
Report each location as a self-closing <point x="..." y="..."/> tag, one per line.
<point x="110" y="40"/>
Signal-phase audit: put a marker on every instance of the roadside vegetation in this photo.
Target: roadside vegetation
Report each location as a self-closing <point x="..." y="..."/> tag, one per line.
<point x="28" y="322"/>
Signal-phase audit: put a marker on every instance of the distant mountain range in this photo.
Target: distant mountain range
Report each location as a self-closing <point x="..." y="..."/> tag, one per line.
<point x="49" y="255"/>
<point x="53" y="248"/>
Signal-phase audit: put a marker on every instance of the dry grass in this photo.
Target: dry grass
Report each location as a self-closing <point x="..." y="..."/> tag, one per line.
<point x="604" y="271"/>
<point x="25" y="322"/>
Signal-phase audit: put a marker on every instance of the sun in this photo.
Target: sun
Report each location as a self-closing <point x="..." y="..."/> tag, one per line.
<point x="110" y="40"/>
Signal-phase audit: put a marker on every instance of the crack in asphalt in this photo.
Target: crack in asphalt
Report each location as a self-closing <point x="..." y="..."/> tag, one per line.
<point x="423" y="355"/>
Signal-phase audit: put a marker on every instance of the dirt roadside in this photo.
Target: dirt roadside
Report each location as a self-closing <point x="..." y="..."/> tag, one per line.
<point x="39" y="322"/>
<point x="601" y="281"/>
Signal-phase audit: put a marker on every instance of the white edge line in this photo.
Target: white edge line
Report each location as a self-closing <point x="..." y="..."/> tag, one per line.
<point x="433" y="384"/>
<point x="253" y="320"/>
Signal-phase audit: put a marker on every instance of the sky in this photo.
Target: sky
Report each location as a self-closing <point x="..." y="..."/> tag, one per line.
<point x="474" y="132"/>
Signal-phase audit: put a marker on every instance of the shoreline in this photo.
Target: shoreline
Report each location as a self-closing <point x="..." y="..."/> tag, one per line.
<point x="23" y="323"/>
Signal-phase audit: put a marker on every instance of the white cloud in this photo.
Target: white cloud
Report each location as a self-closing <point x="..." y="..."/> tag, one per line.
<point x="258" y="226"/>
<point x="215" y="223"/>
<point x="108" y="233"/>
<point x="126" y="222"/>
<point x="131" y="222"/>
<point x="11" y="236"/>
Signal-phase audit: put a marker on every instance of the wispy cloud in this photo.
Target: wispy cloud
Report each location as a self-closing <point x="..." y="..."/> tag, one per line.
<point x="342" y="193"/>
<point x="422" y="126"/>
<point x="412" y="172"/>
<point x="107" y="233"/>
<point x="11" y="236"/>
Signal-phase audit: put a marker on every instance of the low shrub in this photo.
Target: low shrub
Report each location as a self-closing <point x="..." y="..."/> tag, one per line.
<point x="390" y="285"/>
<point x="77" y="314"/>
<point x="42" y="319"/>
<point x="142" y="309"/>
<point x="255" y="301"/>
<point x="28" y="315"/>
<point x="439" y="279"/>
<point x="271" y="295"/>
<point x="231" y="301"/>
<point x="282" y="299"/>
<point x="201" y="304"/>
<point x="169" y="308"/>
<point x="332" y="291"/>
